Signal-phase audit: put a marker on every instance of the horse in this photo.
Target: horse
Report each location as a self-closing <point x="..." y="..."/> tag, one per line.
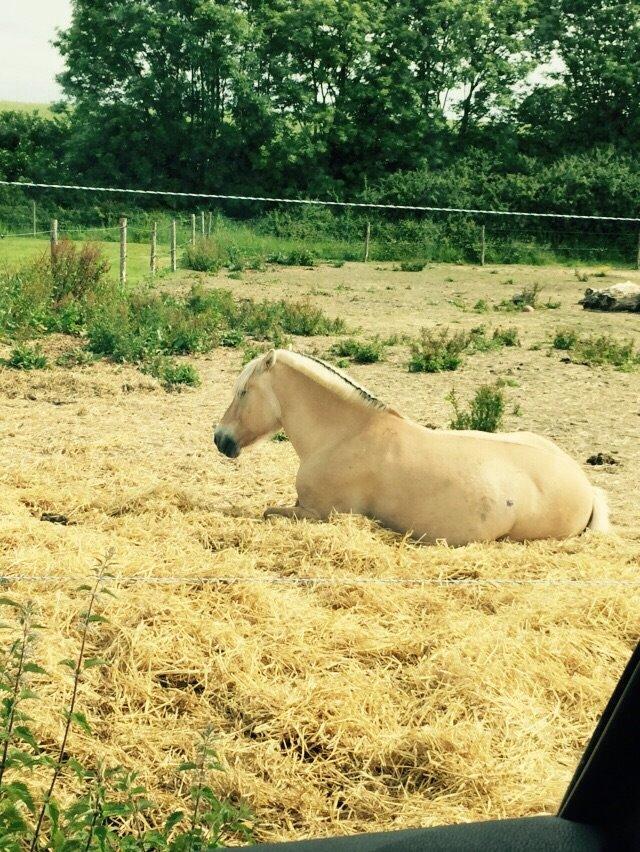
<point x="358" y="455"/>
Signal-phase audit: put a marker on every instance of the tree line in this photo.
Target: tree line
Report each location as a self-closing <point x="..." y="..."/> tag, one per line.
<point x="440" y="101"/>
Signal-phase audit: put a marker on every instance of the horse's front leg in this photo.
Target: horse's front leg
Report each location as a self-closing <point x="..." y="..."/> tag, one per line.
<point x="297" y="513"/>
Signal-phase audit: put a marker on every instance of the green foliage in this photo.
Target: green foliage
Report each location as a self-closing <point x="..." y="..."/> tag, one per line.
<point x="77" y="357"/>
<point x="25" y="357"/>
<point x="360" y="351"/>
<point x="435" y="351"/>
<point x="109" y="807"/>
<point x="412" y="265"/>
<point x="565" y="338"/>
<point x="205" y="256"/>
<point x="485" y="411"/>
<point x="528" y="297"/>
<point x="601" y="350"/>
<point x="171" y="373"/>
<point x="296" y="257"/>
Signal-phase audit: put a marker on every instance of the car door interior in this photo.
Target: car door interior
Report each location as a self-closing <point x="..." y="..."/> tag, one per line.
<point x="600" y="809"/>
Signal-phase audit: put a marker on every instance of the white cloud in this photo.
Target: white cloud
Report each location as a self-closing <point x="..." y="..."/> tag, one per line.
<point x="28" y="61"/>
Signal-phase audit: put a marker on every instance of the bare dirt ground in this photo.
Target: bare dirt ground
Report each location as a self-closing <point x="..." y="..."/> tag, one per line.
<point x="346" y="705"/>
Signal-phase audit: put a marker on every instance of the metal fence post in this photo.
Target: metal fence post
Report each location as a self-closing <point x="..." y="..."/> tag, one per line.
<point x="638" y="254"/>
<point x="193" y="229"/>
<point x="483" y="246"/>
<point x="202" y="223"/>
<point x="123" y="251"/>
<point x="209" y="224"/>
<point x="35" y="219"/>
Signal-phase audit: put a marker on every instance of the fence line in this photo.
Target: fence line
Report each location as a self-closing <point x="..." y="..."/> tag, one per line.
<point x="318" y="202"/>
<point x="445" y="582"/>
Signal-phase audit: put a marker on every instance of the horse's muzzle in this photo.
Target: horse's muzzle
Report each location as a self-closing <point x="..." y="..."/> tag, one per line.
<point x="227" y="445"/>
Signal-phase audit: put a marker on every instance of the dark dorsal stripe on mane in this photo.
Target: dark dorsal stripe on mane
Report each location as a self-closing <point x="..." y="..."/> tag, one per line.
<point x="369" y="398"/>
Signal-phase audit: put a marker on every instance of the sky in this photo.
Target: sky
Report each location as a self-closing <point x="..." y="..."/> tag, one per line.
<point x="28" y="62"/>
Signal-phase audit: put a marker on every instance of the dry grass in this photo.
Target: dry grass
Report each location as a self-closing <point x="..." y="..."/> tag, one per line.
<point x="338" y="707"/>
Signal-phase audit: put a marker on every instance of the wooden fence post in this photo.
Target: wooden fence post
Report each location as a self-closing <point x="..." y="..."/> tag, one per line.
<point x="483" y="246"/>
<point x="174" y="264"/>
<point x="193" y="229"/>
<point x="54" y="236"/>
<point x="123" y="251"/>
<point x="154" y="248"/>
<point x="202" y="224"/>
<point x="35" y="219"/>
<point x="209" y="225"/>
<point x="367" y="242"/>
<point x="638" y="254"/>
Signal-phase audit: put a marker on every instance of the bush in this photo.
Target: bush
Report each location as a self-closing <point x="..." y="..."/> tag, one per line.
<point x="600" y="350"/>
<point x="361" y="352"/>
<point x="26" y="357"/>
<point x="207" y="255"/>
<point x="75" y="358"/>
<point x="527" y="298"/>
<point x="76" y="272"/>
<point x="506" y="336"/>
<point x="412" y="265"/>
<point x="172" y="374"/>
<point x="437" y="351"/>
<point x="565" y="338"/>
<point x="297" y="257"/>
<point x="485" y="412"/>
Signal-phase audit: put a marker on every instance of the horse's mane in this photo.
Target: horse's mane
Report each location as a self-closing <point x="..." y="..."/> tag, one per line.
<point x="322" y="373"/>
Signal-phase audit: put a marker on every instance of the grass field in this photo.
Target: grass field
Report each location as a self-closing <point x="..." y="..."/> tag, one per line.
<point x="23" y="106"/>
<point x="344" y="706"/>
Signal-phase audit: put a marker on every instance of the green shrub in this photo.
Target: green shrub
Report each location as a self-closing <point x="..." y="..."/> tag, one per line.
<point x="528" y="297"/>
<point x="481" y="306"/>
<point x="297" y="257"/>
<point x="485" y="412"/>
<point x="506" y="336"/>
<point x="565" y="338"/>
<point x="412" y="265"/>
<point x="206" y="255"/>
<point x="25" y="357"/>
<point x="360" y="351"/>
<point x="75" y="358"/>
<point x="171" y="373"/>
<point x="599" y="350"/>
<point x="76" y="272"/>
<point x="435" y="351"/>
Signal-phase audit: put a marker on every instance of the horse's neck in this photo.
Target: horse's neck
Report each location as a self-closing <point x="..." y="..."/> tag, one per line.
<point x="312" y="414"/>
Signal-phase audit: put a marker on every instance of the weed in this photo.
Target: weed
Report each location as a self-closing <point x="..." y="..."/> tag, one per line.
<point x="528" y="297"/>
<point x="485" y="411"/>
<point x="171" y="373"/>
<point x="25" y="357"/>
<point x="565" y="339"/>
<point x="412" y="266"/>
<point x="596" y="351"/>
<point x="337" y="264"/>
<point x="77" y="357"/>
<point x="581" y="276"/>
<point x="434" y="351"/>
<point x="481" y="306"/>
<point x="206" y="255"/>
<point x="551" y="305"/>
<point x="297" y="257"/>
<point x="279" y="437"/>
<point x="506" y="336"/>
<point x="361" y="352"/>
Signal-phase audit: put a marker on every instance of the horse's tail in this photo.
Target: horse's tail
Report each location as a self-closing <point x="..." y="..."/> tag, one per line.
<point x="599" y="520"/>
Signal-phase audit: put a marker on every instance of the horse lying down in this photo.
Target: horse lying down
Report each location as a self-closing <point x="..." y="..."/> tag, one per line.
<point x="358" y="455"/>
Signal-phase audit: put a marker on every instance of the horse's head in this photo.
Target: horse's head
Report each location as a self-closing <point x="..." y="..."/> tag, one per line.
<point x="254" y="411"/>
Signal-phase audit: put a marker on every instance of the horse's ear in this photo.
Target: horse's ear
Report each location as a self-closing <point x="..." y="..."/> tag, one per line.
<point x="269" y="359"/>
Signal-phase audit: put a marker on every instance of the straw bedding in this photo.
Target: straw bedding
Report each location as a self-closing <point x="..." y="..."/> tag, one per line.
<point x="338" y="706"/>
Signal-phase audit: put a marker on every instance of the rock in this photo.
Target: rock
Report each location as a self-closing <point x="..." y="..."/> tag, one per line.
<point x="528" y="309"/>
<point x="620" y="297"/>
<point x="602" y="458"/>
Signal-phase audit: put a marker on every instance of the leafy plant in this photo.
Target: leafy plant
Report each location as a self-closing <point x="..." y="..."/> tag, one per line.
<point x="485" y="411"/>
<point x="77" y="357"/>
<point x="297" y="257"/>
<point x="565" y="338"/>
<point x="25" y="357"/>
<point x="360" y="351"/>
<point x="599" y="350"/>
<point x="528" y="297"/>
<point x="171" y="373"/>
<point x="412" y="265"/>
<point x="206" y="255"/>
<point x="435" y="351"/>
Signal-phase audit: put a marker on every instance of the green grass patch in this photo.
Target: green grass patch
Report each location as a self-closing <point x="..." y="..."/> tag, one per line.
<point x="436" y="351"/>
<point x="171" y="373"/>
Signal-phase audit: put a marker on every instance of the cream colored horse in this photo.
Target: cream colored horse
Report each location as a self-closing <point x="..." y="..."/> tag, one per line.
<point x="358" y="455"/>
